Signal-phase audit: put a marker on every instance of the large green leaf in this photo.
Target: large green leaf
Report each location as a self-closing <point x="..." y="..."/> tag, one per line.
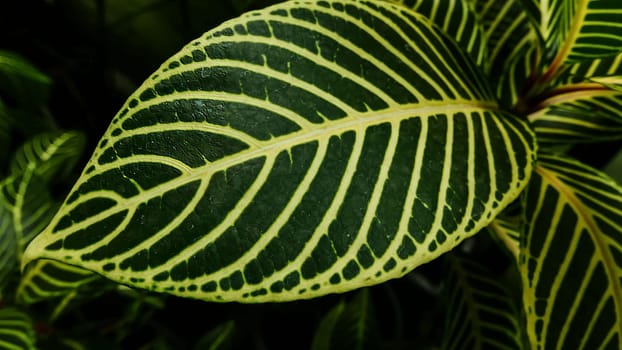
<point x="480" y="311"/>
<point x="571" y="257"/>
<point x="16" y="331"/>
<point x="309" y="148"/>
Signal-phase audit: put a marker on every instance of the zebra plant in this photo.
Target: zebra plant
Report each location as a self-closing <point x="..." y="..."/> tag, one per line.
<point x="317" y="147"/>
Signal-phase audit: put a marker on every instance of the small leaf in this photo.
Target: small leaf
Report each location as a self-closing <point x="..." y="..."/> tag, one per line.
<point x="21" y="81"/>
<point x="219" y="338"/>
<point x="47" y="279"/>
<point x="350" y="325"/>
<point x="480" y="311"/>
<point x="16" y="330"/>
<point x="50" y="155"/>
<point x="570" y="257"/>
<point x="326" y="328"/>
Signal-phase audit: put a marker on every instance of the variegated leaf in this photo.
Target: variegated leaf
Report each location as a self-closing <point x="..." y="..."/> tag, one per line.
<point x="480" y="311"/>
<point x="457" y="19"/>
<point x="512" y="46"/>
<point x="308" y="148"/>
<point x="579" y="30"/>
<point x="16" y="330"/>
<point x="571" y="257"/>
<point x="47" y="279"/>
<point x="587" y="112"/>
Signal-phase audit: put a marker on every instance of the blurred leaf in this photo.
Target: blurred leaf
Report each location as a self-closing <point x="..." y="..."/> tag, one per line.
<point x="22" y="82"/>
<point x="50" y="155"/>
<point x="16" y="330"/>
<point x="480" y="311"/>
<point x="352" y="326"/>
<point x="219" y="338"/>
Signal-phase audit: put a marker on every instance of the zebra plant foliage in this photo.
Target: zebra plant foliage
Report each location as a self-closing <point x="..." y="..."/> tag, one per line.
<point x="308" y="148"/>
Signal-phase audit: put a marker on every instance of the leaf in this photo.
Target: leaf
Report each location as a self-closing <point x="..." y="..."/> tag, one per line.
<point x="570" y="257"/>
<point x="579" y="30"/>
<point x="47" y="279"/>
<point x="219" y="338"/>
<point x="587" y="71"/>
<point x="326" y="328"/>
<point x="304" y="149"/>
<point x="21" y="81"/>
<point x="457" y="19"/>
<point x="8" y="248"/>
<point x="579" y="113"/>
<point x="25" y="193"/>
<point x="350" y="325"/>
<point x="511" y="44"/>
<point x="16" y="331"/>
<point x="50" y="155"/>
<point x="5" y="135"/>
<point x="480" y="311"/>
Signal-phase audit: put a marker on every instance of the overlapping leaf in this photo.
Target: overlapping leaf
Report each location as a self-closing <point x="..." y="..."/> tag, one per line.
<point x="592" y="113"/>
<point x="16" y="330"/>
<point x="578" y="30"/>
<point x="47" y="279"/>
<point x="28" y="207"/>
<point x="480" y="311"/>
<point x="309" y="148"/>
<point x="511" y="44"/>
<point x="571" y="257"/>
<point x="350" y="325"/>
<point x="457" y="19"/>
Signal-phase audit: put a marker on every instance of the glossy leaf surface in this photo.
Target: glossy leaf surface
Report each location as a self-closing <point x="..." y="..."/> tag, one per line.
<point x="308" y="148"/>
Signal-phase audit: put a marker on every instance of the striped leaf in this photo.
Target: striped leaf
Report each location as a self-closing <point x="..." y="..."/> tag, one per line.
<point x="47" y="279"/>
<point x="571" y="257"/>
<point x="50" y="155"/>
<point x="16" y="331"/>
<point x="585" y="71"/>
<point x="511" y="45"/>
<point x="591" y="113"/>
<point x="457" y="19"/>
<point x="308" y="148"/>
<point x="8" y="248"/>
<point x="579" y="30"/>
<point x="480" y="311"/>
